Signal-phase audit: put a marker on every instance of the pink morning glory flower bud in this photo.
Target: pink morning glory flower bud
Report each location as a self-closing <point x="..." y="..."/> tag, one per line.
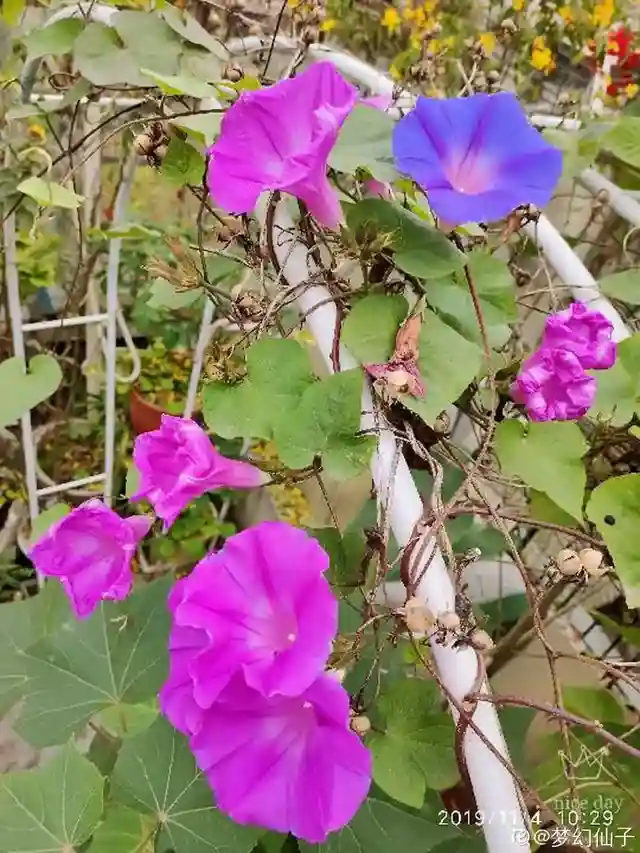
<point x="178" y="463"/>
<point x="584" y="332"/>
<point x="286" y="763"/>
<point x="477" y="158"/>
<point x="260" y="606"/>
<point x="90" y="552"/>
<point x="553" y="386"/>
<point x="280" y="138"/>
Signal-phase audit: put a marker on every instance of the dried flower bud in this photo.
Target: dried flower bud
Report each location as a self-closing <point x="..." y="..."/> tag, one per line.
<point x="309" y="35"/>
<point x="417" y="616"/>
<point x="360" y="724"/>
<point x="568" y="562"/>
<point x="602" y="196"/>
<point x="232" y="72"/>
<point x="493" y="76"/>
<point x="509" y="26"/>
<point x="449" y="621"/>
<point x="481" y="641"/>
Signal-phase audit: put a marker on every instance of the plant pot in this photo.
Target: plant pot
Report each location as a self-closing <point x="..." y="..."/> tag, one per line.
<point x="146" y="416"/>
<point x="77" y="495"/>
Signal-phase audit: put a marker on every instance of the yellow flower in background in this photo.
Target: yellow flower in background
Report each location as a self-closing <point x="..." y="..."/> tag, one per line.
<point x="391" y="19"/>
<point x="430" y="6"/>
<point x="566" y="13"/>
<point x="36" y="131"/>
<point x="434" y="46"/>
<point x="395" y="73"/>
<point x="631" y="90"/>
<point x="488" y="42"/>
<point x="420" y="18"/>
<point x="517" y="5"/>
<point x="408" y="13"/>
<point x="328" y="25"/>
<point x="541" y="56"/>
<point x="602" y="14"/>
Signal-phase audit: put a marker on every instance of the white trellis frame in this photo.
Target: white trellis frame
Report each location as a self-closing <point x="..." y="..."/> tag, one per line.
<point x="489" y="769"/>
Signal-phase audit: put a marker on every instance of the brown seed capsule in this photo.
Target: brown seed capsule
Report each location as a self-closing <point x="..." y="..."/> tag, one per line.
<point x="568" y="562"/>
<point x="591" y="560"/>
<point x="417" y="617"/>
<point x="160" y="152"/>
<point x="360" y="724"/>
<point x="143" y="144"/>
<point x="449" y="621"/>
<point x="509" y="25"/>
<point x="481" y="641"/>
<point x="232" y="72"/>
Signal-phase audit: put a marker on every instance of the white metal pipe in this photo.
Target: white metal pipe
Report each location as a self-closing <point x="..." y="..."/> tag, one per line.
<point x="113" y="262"/>
<point x="624" y="205"/>
<point x="569" y="267"/>
<point x="555" y="122"/>
<point x="63" y="322"/>
<point x="71" y="484"/>
<point x="204" y="336"/>
<point x="493" y="784"/>
<point x="15" y="316"/>
<point x="103" y="102"/>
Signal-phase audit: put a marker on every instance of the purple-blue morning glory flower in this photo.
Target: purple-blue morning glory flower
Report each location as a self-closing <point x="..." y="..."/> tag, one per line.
<point x="477" y="158"/>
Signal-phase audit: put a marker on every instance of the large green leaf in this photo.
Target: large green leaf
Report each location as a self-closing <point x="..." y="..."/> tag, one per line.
<point x="448" y="363"/>
<point x="123" y="831"/>
<point x="186" y="26"/>
<point x="370" y="329"/>
<point x="155" y="774"/>
<point x="623" y="285"/>
<point x="204" y="128"/>
<point x="547" y="457"/>
<point x="495" y="286"/>
<point x="55" y="38"/>
<point x="278" y="372"/>
<point x="579" y="149"/>
<point x="351" y="151"/>
<point x="181" y="84"/>
<point x="327" y="422"/>
<point x="183" y="164"/>
<point x="24" y="623"/>
<point x="382" y="827"/>
<point x="618" y="394"/>
<point x="50" y="194"/>
<point x="24" y="391"/>
<point x="416" y="751"/>
<point x="623" y="140"/>
<point x="419" y="248"/>
<point x="101" y="58"/>
<point x="116" y="656"/>
<point x="346" y="551"/>
<point x="52" y="809"/>
<point x="593" y="703"/>
<point x="150" y="40"/>
<point x="614" y="507"/>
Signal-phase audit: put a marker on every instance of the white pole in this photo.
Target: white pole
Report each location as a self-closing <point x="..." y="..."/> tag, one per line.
<point x="15" y="316"/>
<point x="493" y="784"/>
<point x="113" y="262"/>
<point x="204" y="336"/>
<point x="91" y="180"/>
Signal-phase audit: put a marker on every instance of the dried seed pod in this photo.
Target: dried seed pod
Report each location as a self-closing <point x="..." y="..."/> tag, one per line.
<point x="449" y="621"/>
<point x="417" y="616"/>
<point x="481" y="641"/>
<point x="160" y="152"/>
<point x="360" y="724"/>
<point x="509" y="26"/>
<point x="591" y="559"/>
<point x="143" y="143"/>
<point x="568" y="562"/>
<point x="232" y="72"/>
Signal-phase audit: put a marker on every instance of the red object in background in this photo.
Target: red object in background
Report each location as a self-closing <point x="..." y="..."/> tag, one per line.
<point x="627" y="68"/>
<point x="623" y="73"/>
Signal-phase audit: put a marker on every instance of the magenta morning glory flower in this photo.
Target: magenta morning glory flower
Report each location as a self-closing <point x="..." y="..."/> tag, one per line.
<point x="286" y="763"/>
<point x="584" y="332"/>
<point x="178" y="463"/>
<point x="477" y="158"/>
<point x="90" y="552"/>
<point x="280" y="138"/>
<point x="260" y="606"/>
<point x="553" y="386"/>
